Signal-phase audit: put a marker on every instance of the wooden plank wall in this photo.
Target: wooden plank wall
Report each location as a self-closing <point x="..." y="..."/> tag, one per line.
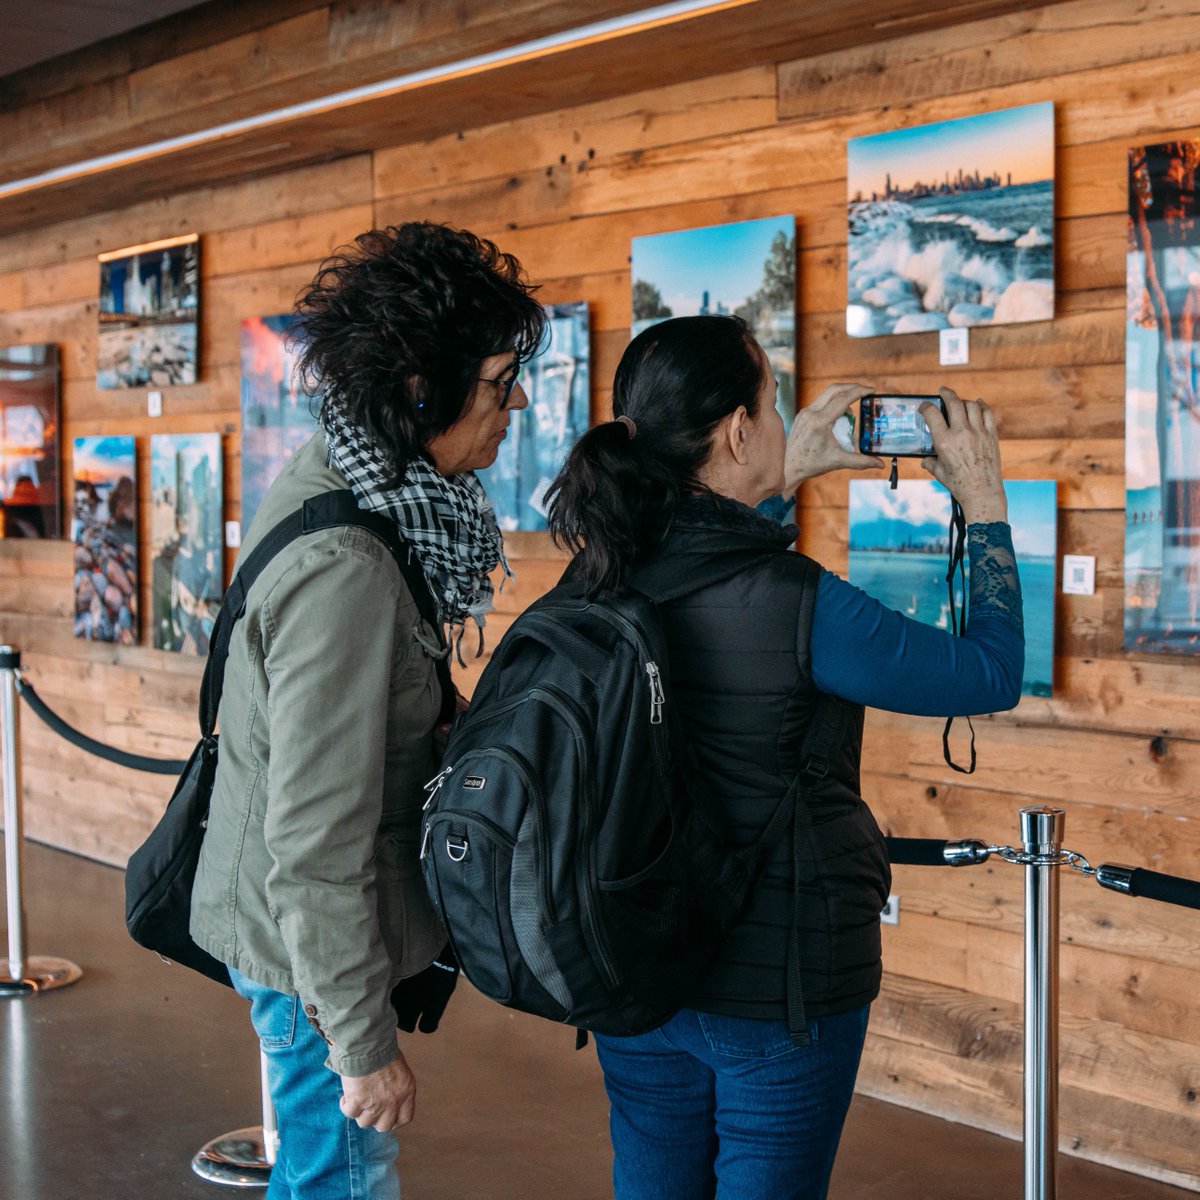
<point x="1119" y="742"/>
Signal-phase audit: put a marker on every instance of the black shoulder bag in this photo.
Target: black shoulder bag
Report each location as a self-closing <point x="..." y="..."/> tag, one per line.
<point x="158" y="881"/>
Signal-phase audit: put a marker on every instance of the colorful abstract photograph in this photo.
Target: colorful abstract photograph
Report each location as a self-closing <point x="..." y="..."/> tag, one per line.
<point x="747" y="268"/>
<point x="899" y="543"/>
<point x="104" y="530"/>
<point x="149" y="314"/>
<point x="540" y="435"/>
<point x="186" y="540"/>
<point x="952" y="224"/>
<point x="1162" y="401"/>
<point x="278" y="416"/>
<point x="30" y="500"/>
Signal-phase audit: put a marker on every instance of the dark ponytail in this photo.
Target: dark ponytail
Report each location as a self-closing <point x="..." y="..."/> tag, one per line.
<point x="618" y="491"/>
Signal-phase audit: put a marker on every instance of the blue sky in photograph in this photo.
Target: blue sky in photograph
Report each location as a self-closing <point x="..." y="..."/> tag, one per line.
<point x="1020" y="140"/>
<point x="920" y="509"/>
<point x="103" y="455"/>
<point x="725" y="260"/>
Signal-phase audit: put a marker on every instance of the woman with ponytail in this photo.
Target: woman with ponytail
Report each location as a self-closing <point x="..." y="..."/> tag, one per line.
<point x="743" y="1093"/>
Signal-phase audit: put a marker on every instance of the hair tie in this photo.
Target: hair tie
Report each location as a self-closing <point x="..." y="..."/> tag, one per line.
<point x="630" y="425"/>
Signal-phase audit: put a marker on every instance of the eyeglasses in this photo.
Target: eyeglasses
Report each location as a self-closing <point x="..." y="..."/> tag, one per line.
<point x="506" y="382"/>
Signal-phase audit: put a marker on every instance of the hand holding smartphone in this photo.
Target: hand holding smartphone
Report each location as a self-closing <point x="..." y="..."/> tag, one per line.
<point x="890" y="425"/>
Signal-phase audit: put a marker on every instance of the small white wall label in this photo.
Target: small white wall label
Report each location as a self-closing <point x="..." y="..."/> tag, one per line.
<point x="953" y="347"/>
<point x="1079" y="575"/>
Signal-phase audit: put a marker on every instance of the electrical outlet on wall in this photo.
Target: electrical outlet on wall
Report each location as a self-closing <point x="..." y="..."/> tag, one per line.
<point x="891" y="910"/>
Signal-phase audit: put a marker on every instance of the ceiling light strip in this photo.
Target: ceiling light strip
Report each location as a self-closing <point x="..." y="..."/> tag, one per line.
<point x="613" y="27"/>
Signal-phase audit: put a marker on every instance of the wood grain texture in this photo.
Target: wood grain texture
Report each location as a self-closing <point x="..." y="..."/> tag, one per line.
<point x="564" y="177"/>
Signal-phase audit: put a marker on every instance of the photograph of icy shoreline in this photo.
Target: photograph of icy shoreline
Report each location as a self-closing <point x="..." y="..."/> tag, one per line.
<point x="952" y="224"/>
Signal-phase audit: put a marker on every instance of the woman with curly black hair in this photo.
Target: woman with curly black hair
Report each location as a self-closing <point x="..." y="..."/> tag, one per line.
<point x="308" y="886"/>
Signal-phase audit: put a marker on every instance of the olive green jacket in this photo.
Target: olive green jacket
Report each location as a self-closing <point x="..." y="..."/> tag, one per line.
<point x="309" y="880"/>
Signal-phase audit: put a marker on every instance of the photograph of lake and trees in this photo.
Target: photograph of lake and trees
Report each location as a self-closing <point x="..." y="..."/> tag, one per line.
<point x="952" y="224"/>
<point x="540" y="435"/>
<point x="1162" y="401"/>
<point x="747" y="268"/>
<point x="149" y="314"/>
<point x="899" y="543"/>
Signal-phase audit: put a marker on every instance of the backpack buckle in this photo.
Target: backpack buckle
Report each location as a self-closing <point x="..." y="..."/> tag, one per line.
<point x="456" y="848"/>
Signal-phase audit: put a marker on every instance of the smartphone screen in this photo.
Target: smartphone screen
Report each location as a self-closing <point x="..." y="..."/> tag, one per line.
<point x="891" y="425"/>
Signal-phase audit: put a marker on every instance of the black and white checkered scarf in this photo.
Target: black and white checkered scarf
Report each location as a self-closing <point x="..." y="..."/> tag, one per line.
<point x="447" y="519"/>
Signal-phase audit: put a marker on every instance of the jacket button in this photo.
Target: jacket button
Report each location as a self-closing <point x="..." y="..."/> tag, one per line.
<point x="310" y="1010"/>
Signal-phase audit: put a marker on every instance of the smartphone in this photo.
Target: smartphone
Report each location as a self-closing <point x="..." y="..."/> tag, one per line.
<point x="890" y="425"/>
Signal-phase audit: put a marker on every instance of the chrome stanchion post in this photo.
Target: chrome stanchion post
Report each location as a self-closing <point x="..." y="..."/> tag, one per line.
<point x="25" y="976"/>
<point x="244" y="1157"/>
<point x="1041" y="835"/>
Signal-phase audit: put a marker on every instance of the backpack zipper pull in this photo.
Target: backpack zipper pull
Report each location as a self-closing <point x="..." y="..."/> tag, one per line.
<point x="434" y="786"/>
<point x="657" y="696"/>
<point x="425" y="841"/>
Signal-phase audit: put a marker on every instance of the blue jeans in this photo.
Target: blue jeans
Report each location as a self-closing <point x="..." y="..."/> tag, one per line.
<point x="709" y="1106"/>
<point x="323" y="1155"/>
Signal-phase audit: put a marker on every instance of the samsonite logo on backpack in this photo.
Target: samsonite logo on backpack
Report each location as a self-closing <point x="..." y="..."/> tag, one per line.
<point x="576" y="877"/>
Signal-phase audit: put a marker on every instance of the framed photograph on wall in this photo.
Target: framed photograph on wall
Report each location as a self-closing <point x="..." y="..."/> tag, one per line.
<point x="1162" y="400"/>
<point x="952" y="224"/>
<point x="187" y="554"/>
<point x="104" y="530"/>
<point x="747" y="268"/>
<point x="30" y="498"/>
<point x="278" y="416"/>
<point x="899" y="542"/>
<point x="150" y="314"/>
<point x="540" y="435"/>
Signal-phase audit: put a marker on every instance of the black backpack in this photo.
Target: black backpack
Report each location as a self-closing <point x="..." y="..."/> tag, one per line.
<point x="567" y="843"/>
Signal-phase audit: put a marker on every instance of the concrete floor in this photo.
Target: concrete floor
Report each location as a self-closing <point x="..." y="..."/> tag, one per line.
<point x="108" y="1087"/>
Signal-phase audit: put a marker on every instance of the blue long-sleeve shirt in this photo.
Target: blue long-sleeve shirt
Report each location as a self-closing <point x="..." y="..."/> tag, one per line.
<point x="870" y="654"/>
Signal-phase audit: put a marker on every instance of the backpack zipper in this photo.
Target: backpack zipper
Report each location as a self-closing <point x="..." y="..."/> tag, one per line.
<point x="657" y="697"/>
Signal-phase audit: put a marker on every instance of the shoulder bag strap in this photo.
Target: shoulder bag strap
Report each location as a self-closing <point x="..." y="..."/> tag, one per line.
<point x="326" y="511"/>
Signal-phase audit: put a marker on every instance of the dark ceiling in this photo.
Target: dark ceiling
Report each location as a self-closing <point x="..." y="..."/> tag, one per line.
<point x="35" y="30"/>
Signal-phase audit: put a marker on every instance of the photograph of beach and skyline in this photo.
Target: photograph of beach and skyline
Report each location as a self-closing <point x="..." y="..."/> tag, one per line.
<point x="952" y="224"/>
<point x="1162" y="400"/>
<point x="277" y="414"/>
<point x="104" y="530"/>
<point x="30" y="506"/>
<point x="187" y="558"/>
<point x="899" y="542"/>
<point x="540" y="435"/>
<point x="149" y="314"/>
<point x="747" y="268"/>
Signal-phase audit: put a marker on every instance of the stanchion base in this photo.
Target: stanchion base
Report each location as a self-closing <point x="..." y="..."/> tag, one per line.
<point x="238" y="1159"/>
<point x="41" y="975"/>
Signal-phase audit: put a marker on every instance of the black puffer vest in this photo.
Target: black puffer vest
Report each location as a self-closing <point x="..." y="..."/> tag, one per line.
<point x="741" y="676"/>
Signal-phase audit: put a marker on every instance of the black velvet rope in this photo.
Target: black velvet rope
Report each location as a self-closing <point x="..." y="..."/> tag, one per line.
<point x="917" y="852"/>
<point x="1170" y="889"/>
<point x="137" y="762"/>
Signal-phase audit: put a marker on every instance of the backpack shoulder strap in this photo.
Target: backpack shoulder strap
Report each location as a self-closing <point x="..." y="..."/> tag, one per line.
<point x="325" y="511"/>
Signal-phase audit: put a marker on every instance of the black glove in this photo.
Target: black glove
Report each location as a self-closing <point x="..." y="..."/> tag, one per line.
<point x="426" y="994"/>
